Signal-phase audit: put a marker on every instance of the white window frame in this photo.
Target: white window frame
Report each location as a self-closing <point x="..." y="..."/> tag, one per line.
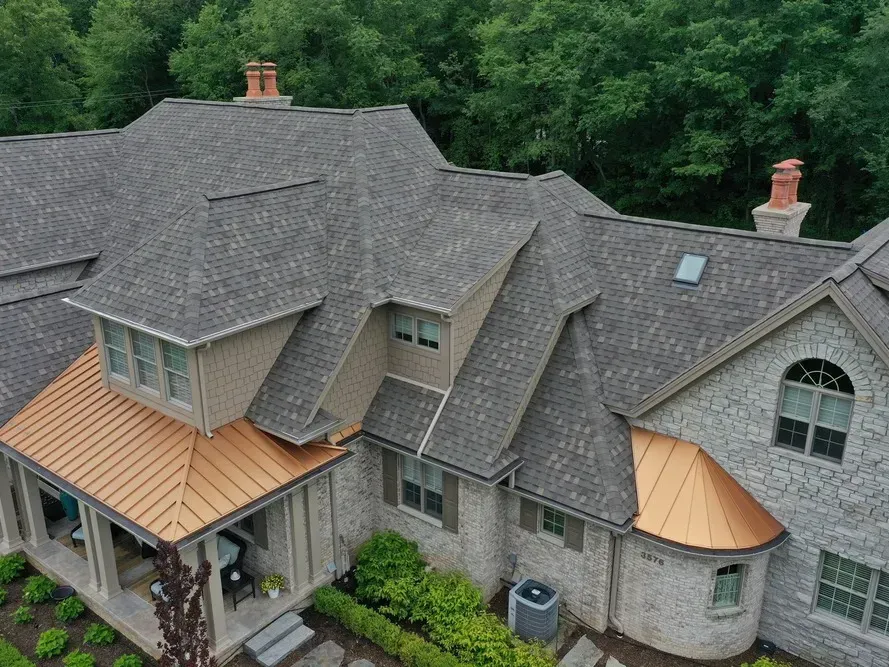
<point x="737" y="576"/>
<point x="108" y="347"/>
<point x="169" y="371"/>
<point x="415" y="331"/>
<point x="395" y="333"/>
<point x="870" y="598"/>
<point x="137" y="359"/>
<point x="437" y="325"/>
<point x="423" y="508"/>
<point x="546" y="534"/>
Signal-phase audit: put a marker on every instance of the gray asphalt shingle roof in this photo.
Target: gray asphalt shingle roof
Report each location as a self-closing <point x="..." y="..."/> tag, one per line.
<point x="402" y="412"/>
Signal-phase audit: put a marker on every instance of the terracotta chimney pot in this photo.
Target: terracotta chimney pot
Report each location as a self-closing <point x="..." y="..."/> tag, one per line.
<point x="782" y="214"/>
<point x="270" y="80"/>
<point x="797" y="175"/>
<point x="781" y="182"/>
<point x="253" y="80"/>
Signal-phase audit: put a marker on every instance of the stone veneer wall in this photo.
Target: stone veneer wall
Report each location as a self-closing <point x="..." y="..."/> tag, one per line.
<point x="357" y="510"/>
<point x="582" y="579"/>
<point x="841" y="508"/>
<point x="235" y="366"/>
<point x="665" y="600"/>
<point x="362" y="372"/>
<point x="21" y="283"/>
<point x="275" y="559"/>
<point x="469" y="318"/>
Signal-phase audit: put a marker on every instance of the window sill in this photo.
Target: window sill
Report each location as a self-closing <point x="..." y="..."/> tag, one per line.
<point x="407" y="509"/>
<point x="802" y="458"/>
<point x="850" y="630"/>
<point x="552" y="539"/>
<point x="725" y="612"/>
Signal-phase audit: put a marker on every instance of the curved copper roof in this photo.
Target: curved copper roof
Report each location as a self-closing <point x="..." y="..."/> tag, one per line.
<point x="687" y="498"/>
<point x="161" y="474"/>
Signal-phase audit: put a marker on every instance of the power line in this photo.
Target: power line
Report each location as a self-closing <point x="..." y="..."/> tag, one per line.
<point x="63" y="101"/>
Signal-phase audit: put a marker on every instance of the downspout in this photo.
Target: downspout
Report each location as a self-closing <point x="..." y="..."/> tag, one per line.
<point x="202" y="390"/>
<point x="334" y="526"/>
<point x="613" y="621"/>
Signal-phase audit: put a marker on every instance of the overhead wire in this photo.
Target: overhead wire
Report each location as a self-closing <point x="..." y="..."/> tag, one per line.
<point x="70" y="100"/>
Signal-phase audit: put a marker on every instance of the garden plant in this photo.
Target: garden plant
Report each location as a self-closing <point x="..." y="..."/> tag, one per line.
<point x="11" y="567"/>
<point x="51" y="643"/>
<point x="38" y="588"/>
<point x="22" y="615"/>
<point x="78" y="658"/>
<point x="69" y="610"/>
<point x="99" y="634"/>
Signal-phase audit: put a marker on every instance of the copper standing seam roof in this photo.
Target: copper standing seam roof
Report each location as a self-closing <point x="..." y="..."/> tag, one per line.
<point x="687" y="498"/>
<point x="160" y="473"/>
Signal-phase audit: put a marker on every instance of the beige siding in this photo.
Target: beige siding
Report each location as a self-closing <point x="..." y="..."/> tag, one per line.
<point x="362" y="372"/>
<point x="235" y="366"/>
<point x="469" y="317"/>
<point x="416" y="363"/>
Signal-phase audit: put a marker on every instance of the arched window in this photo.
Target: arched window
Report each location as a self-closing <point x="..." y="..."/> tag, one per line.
<point x="816" y="405"/>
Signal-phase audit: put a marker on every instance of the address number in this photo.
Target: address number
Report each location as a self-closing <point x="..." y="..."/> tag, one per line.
<point x="652" y="558"/>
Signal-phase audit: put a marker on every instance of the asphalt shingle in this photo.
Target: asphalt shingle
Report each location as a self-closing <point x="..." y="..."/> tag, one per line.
<point x="402" y="412"/>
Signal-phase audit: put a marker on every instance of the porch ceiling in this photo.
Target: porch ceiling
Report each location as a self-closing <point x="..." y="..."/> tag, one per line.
<point x="159" y="473"/>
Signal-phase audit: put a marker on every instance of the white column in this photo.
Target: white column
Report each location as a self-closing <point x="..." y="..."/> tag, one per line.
<point x="11" y="538"/>
<point x="313" y="533"/>
<point x="214" y="605"/>
<point x="89" y="540"/>
<point x="298" y="534"/>
<point x="104" y="552"/>
<point x="32" y="508"/>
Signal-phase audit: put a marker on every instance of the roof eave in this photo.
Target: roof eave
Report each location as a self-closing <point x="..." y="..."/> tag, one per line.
<point x="771" y="545"/>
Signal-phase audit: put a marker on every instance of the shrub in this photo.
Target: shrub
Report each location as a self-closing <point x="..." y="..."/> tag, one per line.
<point x="11" y="567"/>
<point x="444" y="601"/>
<point x="99" y="634"/>
<point x="385" y="557"/>
<point x="51" y="643"/>
<point x="69" y="609"/>
<point x="10" y="656"/>
<point x="417" y="652"/>
<point x="38" y="589"/>
<point x="79" y="659"/>
<point x="3" y="595"/>
<point x="22" y="615"/>
<point x="765" y="661"/>
<point x="128" y="660"/>
<point x="272" y="582"/>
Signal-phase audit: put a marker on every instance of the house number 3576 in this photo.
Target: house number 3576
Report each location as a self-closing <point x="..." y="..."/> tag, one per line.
<point x="652" y="558"/>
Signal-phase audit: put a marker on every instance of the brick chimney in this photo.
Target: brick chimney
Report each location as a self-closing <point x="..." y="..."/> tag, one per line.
<point x="783" y="213"/>
<point x="268" y="95"/>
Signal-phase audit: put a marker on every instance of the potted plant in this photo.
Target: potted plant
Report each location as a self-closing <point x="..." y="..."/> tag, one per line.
<point x="272" y="585"/>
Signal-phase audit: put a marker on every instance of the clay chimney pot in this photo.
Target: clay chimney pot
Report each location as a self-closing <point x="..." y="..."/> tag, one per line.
<point x="797" y="175"/>
<point x="270" y="80"/>
<point x="253" y="75"/>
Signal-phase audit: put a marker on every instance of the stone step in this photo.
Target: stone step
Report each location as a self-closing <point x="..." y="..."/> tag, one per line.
<point x="271" y="633"/>
<point x="285" y="646"/>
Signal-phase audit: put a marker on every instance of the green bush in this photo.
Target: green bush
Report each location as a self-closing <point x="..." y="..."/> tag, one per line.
<point x="444" y="601"/>
<point x="128" y="660"/>
<point x="38" y="588"/>
<point x="385" y="557"/>
<point x="11" y="567"/>
<point x="22" y="615"/>
<point x="10" y="656"/>
<point x="79" y="659"/>
<point x="51" y="643"/>
<point x="69" y="609"/>
<point x="99" y="634"/>
<point x="3" y="595"/>
<point x="417" y="652"/>
<point x="765" y="661"/>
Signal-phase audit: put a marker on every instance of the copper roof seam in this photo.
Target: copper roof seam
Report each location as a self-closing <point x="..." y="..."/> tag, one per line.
<point x="657" y="480"/>
<point x="722" y="497"/>
<point x="235" y="465"/>
<point x="38" y="401"/>
<point x="716" y="504"/>
<point x="223" y="433"/>
<point x="220" y="491"/>
<point x="678" y="493"/>
<point x="212" y="471"/>
<point x="183" y="483"/>
<point x="241" y="424"/>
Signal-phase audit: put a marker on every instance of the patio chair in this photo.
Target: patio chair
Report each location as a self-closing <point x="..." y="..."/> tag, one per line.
<point x="230" y="550"/>
<point x="77" y="533"/>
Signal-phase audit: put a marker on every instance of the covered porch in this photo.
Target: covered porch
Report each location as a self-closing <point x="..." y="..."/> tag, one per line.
<point x="140" y="476"/>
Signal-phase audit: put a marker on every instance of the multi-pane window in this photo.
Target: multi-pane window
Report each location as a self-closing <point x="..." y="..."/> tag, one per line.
<point x="816" y="406"/>
<point x="421" y="487"/>
<point x="552" y="522"/>
<point x="854" y="592"/>
<point x="422" y="333"/>
<point x="176" y="373"/>
<point x="145" y="358"/>
<point x="727" y="590"/>
<point x="116" y="349"/>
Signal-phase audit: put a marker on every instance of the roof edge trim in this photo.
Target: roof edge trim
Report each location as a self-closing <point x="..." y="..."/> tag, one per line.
<point x="260" y="105"/>
<point x="771" y="545"/>
<point x="48" y="265"/>
<point x="483" y="172"/>
<point x="879" y="281"/>
<point x="59" y="135"/>
<point x="621" y="529"/>
<point x="300" y="440"/>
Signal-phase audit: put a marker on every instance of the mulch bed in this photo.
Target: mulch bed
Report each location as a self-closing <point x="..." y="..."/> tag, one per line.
<point x="24" y="637"/>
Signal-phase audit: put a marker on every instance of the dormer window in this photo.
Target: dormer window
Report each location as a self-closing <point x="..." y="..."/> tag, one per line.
<point x="116" y="349"/>
<point x="144" y="355"/>
<point x="690" y="269"/>
<point x="416" y="331"/>
<point x="176" y="372"/>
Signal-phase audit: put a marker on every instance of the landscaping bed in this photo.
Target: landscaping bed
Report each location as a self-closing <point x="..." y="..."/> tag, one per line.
<point x="25" y="636"/>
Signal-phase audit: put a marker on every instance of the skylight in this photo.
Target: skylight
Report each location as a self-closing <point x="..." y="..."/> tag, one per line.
<point x="690" y="269"/>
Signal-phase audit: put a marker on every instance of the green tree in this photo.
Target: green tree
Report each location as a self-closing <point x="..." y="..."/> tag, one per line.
<point x="210" y="63"/>
<point x="39" y="57"/>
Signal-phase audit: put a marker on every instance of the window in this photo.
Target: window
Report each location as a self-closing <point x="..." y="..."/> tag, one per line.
<point x="727" y="591"/>
<point x="246" y="525"/>
<point x="422" y="487"/>
<point x="815" y="409"/>
<point x="176" y="373"/>
<point x="144" y="354"/>
<point x="427" y="334"/>
<point x="422" y="333"/>
<point x="690" y="269"/>
<point x="116" y="349"/>
<point x="854" y="592"/>
<point x="403" y="328"/>
<point x="552" y="522"/>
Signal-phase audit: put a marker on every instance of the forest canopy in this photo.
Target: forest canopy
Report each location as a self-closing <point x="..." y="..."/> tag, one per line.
<point x="668" y="108"/>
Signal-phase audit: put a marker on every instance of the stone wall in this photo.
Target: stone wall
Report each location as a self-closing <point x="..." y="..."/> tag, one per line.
<point x="275" y="559"/>
<point x="30" y="281"/>
<point x="582" y="579"/>
<point x="357" y="511"/>
<point x="235" y="367"/>
<point x="468" y="319"/>
<point x="665" y="600"/>
<point x="362" y="372"/>
<point x="838" y="507"/>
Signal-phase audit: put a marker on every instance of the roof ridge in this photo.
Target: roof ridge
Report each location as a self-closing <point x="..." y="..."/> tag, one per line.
<point x="545" y="249"/>
<point x="367" y="260"/>
<point x="259" y="189"/>
<point x="558" y="174"/>
<point x="485" y="172"/>
<point x="186" y="469"/>
<point x="196" y="269"/>
<point x="58" y="135"/>
<point x="397" y="140"/>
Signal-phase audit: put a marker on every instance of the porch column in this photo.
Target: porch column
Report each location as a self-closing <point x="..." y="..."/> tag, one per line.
<point x="214" y="605"/>
<point x="104" y="551"/>
<point x="313" y="534"/>
<point x="298" y="534"/>
<point x="32" y="508"/>
<point x="11" y="538"/>
<point x="89" y="541"/>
